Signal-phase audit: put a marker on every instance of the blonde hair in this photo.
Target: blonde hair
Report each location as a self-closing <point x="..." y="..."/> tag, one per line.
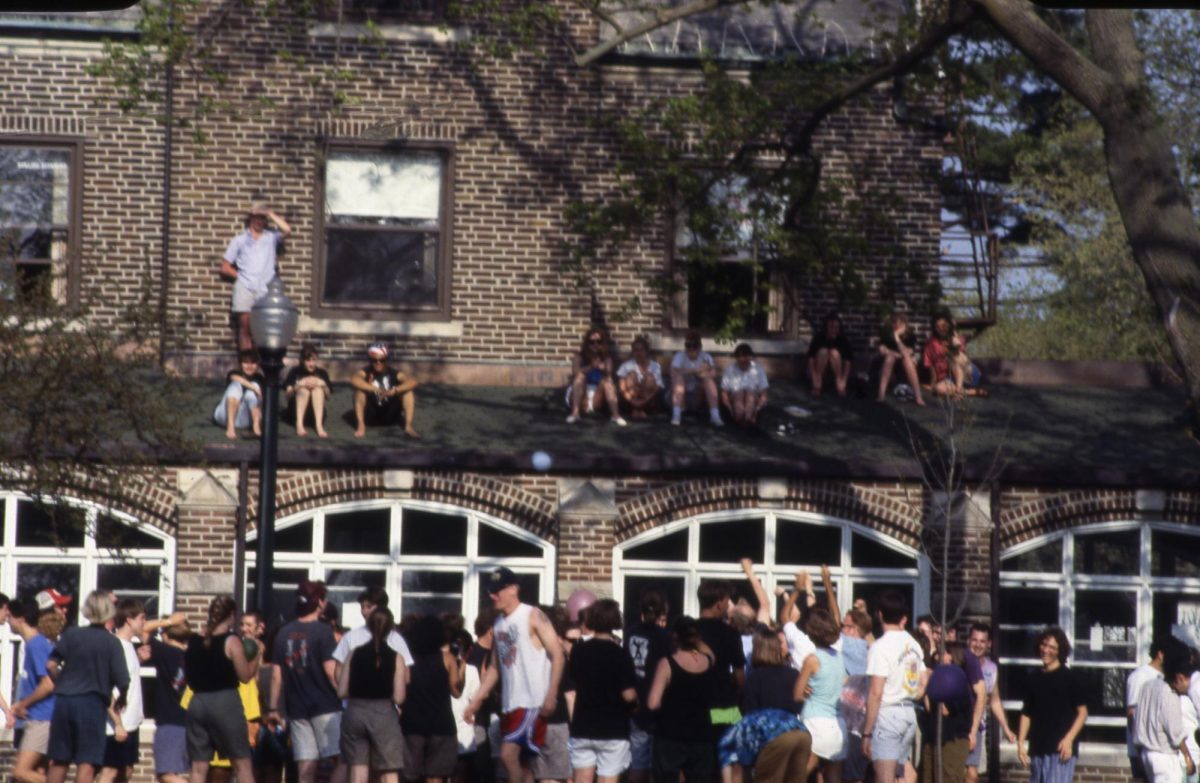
<point x="98" y="607"/>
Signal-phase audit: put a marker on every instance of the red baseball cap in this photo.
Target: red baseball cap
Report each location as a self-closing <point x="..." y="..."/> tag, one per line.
<point x="50" y="598"/>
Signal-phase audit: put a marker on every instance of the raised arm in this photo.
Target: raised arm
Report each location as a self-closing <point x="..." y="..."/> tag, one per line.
<point x="280" y="223"/>
<point x="760" y="592"/>
<point x="830" y="594"/>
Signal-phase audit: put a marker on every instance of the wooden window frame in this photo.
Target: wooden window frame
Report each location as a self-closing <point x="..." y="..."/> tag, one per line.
<point x="437" y="312"/>
<point x="74" y="225"/>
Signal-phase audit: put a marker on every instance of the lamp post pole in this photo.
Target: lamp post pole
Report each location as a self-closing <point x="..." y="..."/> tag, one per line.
<point x="272" y="363"/>
<point x="272" y="324"/>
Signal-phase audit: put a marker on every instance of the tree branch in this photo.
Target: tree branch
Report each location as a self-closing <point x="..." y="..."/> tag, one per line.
<point x="1050" y="52"/>
<point x="960" y="15"/>
<point x="660" y="18"/>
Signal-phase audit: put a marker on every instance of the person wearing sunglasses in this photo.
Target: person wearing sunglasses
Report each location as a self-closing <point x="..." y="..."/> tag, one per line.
<point x="693" y="381"/>
<point x="592" y="389"/>
<point x="383" y="395"/>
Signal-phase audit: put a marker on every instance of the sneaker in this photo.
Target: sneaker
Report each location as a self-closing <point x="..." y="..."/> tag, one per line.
<point x="620" y="422"/>
<point x="903" y="392"/>
<point x="572" y="419"/>
<point x="675" y="422"/>
<point x="716" y="421"/>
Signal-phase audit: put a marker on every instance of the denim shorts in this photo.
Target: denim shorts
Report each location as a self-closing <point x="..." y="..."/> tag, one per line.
<point x="318" y="737"/>
<point x="1051" y="769"/>
<point x="641" y="748"/>
<point x="895" y="729"/>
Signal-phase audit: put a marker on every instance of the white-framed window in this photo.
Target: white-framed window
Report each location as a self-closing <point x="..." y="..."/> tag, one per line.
<point x="430" y="557"/>
<point x="78" y="547"/>
<point x="1112" y="587"/>
<point x="676" y="558"/>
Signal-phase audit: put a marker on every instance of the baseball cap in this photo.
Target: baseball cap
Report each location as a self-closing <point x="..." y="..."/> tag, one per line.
<point x="50" y="598"/>
<point x="377" y="351"/>
<point x="500" y="579"/>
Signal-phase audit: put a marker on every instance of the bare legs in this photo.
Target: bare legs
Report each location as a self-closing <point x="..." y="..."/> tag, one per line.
<point x="408" y="401"/>
<point x="744" y="405"/>
<point x="642" y="396"/>
<point x="244" y="341"/>
<point x="510" y="757"/>
<point x="603" y="398"/>
<point x="680" y="396"/>
<point x="829" y="359"/>
<point x="316" y="396"/>
<point x="910" y="373"/>
<point x="29" y="767"/>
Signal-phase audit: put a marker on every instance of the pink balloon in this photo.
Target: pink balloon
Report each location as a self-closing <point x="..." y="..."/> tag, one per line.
<point x="579" y="600"/>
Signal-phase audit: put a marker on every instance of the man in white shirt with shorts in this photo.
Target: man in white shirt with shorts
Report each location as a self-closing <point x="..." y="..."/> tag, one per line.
<point x="894" y="666"/>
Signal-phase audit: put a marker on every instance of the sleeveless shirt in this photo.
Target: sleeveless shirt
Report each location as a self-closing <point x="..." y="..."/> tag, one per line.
<point x="524" y="669"/>
<point x="207" y="668"/>
<point x="826" y="685"/>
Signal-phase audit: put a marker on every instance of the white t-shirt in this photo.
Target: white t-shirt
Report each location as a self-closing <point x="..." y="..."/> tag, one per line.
<point x="1134" y="684"/>
<point x="458" y="706"/>
<point x="799" y="645"/>
<point x="631" y="366"/>
<point x="131" y="716"/>
<point x="681" y="361"/>
<point x="898" y="657"/>
<point x="357" y="637"/>
<point x="753" y="379"/>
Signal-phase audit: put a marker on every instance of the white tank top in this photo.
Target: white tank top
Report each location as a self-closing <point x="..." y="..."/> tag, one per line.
<point x="524" y="669"/>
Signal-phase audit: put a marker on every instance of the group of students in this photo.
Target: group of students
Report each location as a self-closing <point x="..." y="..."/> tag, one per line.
<point x="383" y="395"/>
<point x="546" y="695"/>
<point x="942" y="367"/>
<point x="637" y="384"/>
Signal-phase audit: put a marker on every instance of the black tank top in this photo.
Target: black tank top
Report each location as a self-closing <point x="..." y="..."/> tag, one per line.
<point x="368" y="680"/>
<point x="208" y="669"/>
<point x="684" y="714"/>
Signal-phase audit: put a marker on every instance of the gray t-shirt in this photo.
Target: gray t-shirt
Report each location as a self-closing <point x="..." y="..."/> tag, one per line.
<point x="301" y="650"/>
<point x="92" y="662"/>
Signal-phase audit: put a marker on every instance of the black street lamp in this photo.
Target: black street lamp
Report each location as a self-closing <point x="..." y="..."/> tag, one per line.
<point x="273" y="322"/>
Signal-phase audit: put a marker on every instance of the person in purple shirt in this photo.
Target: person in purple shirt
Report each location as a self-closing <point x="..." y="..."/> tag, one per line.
<point x="249" y="261"/>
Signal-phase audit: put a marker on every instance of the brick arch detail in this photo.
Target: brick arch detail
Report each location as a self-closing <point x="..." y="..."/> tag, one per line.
<point x="312" y="490"/>
<point x="149" y="500"/>
<point x="1063" y="510"/>
<point x="1060" y="511"/>
<point x="867" y="506"/>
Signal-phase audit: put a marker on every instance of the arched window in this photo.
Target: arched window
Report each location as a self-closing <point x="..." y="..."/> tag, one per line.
<point x="1113" y="588"/>
<point x="429" y="557"/>
<point x="86" y="548"/>
<point x="676" y="558"/>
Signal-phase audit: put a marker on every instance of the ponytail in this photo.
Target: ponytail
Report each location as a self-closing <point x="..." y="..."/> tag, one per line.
<point x="220" y="610"/>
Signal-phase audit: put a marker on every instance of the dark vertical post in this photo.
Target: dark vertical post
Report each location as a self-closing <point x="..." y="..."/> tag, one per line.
<point x="272" y="363"/>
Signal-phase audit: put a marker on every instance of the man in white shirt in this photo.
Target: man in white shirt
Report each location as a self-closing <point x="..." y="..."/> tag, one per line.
<point x="693" y="372"/>
<point x="894" y="667"/>
<point x="1137" y="680"/>
<point x="1158" y="721"/>
<point x="121" y="752"/>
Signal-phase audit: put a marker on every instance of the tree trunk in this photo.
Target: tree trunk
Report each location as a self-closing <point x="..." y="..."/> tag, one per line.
<point x="1161" y="228"/>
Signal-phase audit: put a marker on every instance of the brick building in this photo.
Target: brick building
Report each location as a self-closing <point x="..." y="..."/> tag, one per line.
<point x="475" y="168"/>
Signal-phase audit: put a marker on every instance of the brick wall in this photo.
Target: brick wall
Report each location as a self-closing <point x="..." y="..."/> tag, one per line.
<point x="524" y="148"/>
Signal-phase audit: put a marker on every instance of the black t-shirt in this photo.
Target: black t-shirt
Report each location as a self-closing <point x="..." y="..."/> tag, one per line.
<point x="427" y="711"/>
<point x="647" y="644"/>
<point x="301" y="650"/>
<point x="1051" y="703"/>
<point x="841" y="344"/>
<point x="600" y="671"/>
<point x="300" y="372"/>
<point x="387" y="379"/>
<point x="169" y="683"/>
<point x="887" y="338"/>
<point x="726" y="644"/>
<point x="770" y="688"/>
<point x="257" y="377"/>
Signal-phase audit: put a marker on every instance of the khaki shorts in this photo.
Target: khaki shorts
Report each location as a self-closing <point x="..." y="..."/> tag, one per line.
<point x="36" y="738"/>
<point x="371" y="735"/>
<point x="317" y="737"/>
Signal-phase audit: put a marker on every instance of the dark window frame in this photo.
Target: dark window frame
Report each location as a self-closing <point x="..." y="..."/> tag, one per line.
<point x="345" y="11"/>
<point x="72" y="265"/>
<point x="369" y="311"/>
<point x="676" y="314"/>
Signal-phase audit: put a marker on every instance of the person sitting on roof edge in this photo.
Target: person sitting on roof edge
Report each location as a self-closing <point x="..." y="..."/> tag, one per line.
<point x="382" y="394"/>
<point x="591" y="389"/>
<point x="744" y="387"/>
<point x="640" y="379"/>
<point x="240" y="407"/>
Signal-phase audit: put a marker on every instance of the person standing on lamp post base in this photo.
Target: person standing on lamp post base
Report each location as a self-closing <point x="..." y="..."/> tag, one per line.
<point x="527" y="663"/>
<point x="249" y="261"/>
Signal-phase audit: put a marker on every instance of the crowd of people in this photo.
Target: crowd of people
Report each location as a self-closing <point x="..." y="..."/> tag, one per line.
<point x="552" y="693"/>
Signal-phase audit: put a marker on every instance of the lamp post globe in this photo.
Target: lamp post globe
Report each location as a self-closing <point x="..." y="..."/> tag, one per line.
<point x="273" y="321"/>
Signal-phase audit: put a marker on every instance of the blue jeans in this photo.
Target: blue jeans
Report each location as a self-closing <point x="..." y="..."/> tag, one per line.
<point x="247" y="401"/>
